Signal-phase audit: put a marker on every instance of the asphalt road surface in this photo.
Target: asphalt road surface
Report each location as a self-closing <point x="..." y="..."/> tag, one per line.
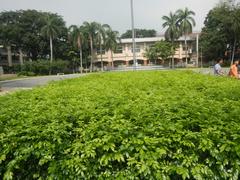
<point x="29" y="83"/>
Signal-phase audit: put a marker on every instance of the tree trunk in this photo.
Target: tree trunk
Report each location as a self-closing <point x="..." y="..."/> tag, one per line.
<point x="233" y="53"/>
<point x="185" y="41"/>
<point x="91" y="45"/>
<point x="51" y="55"/>
<point x="172" y="55"/>
<point x="9" y="54"/>
<point x="20" y="56"/>
<point x="80" y="54"/>
<point x="81" y="60"/>
<point x="101" y="57"/>
<point x="112" y="59"/>
<point x="51" y="50"/>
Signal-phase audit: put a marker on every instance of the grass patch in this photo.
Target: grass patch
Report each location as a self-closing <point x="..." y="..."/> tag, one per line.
<point x="130" y="125"/>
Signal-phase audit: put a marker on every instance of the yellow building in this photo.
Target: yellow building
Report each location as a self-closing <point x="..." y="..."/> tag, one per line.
<point x="123" y="56"/>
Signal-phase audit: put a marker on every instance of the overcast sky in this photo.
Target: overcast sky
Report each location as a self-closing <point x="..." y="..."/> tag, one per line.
<point x="116" y="13"/>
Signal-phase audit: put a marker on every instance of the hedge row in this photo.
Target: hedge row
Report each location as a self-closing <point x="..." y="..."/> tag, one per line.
<point x="135" y="125"/>
<point x="40" y="67"/>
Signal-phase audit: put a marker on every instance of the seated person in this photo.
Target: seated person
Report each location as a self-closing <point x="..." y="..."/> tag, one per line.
<point x="234" y="70"/>
<point x="218" y="68"/>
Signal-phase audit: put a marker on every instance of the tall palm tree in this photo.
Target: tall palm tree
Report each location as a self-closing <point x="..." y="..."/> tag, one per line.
<point x="101" y="38"/>
<point x="50" y="29"/>
<point x="186" y="22"/>
<point x="172" y="31"/>
<point x="112" y="38"/>
<point x="77" y="37"/>
<point x="91" y="29"/>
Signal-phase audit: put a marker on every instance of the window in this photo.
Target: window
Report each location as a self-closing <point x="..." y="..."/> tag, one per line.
<point x="119" y="50"/>
<point x="185" y="48"/>
<point x="137" y="49"/>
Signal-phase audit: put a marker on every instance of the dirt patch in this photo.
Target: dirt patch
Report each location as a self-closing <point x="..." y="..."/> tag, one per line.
<point x="12" y="90"/>
<point x="7" y="77"/>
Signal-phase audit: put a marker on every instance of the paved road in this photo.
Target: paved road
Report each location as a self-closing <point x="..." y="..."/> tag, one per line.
<point x="29" y="83"/>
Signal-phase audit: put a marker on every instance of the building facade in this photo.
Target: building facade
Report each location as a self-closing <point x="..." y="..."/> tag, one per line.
<point x="123" y="56"/>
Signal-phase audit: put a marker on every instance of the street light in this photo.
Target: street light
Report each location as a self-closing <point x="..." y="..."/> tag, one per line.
<point x="133" y="37"/>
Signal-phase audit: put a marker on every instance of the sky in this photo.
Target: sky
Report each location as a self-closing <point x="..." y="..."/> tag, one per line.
<point x="148" y="13"/>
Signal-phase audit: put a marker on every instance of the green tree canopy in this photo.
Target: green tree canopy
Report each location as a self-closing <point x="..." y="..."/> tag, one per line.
<point x="173" y="30"/>
<point x="221" y="32"/>
<point x="23" y="29"/>
<point x="140" y="33"/>
<point x="161" y="50"/>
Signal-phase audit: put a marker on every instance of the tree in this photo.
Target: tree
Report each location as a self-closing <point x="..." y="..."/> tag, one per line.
<point x="231" y="23"/>
<point x="77" y="37"/>
<point x="172" y="31"/>
<point x="111" y="42"/>
<point x="10" y="32"/>
<point x="91" y="29"/>
<point x="165" y="49"/>
<point x="161" y="50"/>
<point x="50" y="29"/>
<point x="140" y="33"/>
<point x="101" y="38"/>
<point x="33" y="42"/>
<point x="151" y="54"/>
<point x="221" y="33"/>
<point x="213" y="39"/>
<point x="186" y="22"/>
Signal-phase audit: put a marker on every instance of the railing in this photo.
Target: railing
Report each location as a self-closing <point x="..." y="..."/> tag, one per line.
<point x="138" y="68"/>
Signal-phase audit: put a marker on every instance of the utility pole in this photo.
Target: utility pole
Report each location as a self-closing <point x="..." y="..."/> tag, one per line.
<point x="197" y="49"/>
<point x="133" y="38"/>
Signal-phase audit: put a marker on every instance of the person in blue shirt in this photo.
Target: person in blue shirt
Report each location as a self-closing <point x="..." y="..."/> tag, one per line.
<point x="217" y="67"/>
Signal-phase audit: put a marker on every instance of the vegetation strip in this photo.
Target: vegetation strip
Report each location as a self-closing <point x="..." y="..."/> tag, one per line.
<point x="130" y="125"/>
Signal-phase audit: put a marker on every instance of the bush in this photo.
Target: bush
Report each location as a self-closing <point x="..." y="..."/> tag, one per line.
<point x="43" y="67"/>
<point x="26" y="73"/>
<point x="135" y="125"/>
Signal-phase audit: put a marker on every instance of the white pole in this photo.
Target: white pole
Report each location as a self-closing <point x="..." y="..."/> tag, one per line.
<point x="133" y="38"/>
<point x="197" y="48"/>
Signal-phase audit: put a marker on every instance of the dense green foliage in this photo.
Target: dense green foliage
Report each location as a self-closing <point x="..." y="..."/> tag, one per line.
<point x="140" y="33"/>
<point x="41" y="35"/>
<point x="177" y="24"/>
<point x="221" y="34"/>
<point x="43" y="67"/>
<point x="133" y="125"/>
<point x="160" y="50"/>
<point x="23" y="30"/>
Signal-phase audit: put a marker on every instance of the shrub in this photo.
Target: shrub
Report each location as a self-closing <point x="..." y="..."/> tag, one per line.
<point x="43" y="67"/>
<point x="26" y="73"/>
<point x="135" y="125"/>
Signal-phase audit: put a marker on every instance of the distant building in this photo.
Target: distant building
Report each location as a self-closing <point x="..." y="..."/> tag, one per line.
<point x="123" y="56"/>
<point x="14" y="58"/>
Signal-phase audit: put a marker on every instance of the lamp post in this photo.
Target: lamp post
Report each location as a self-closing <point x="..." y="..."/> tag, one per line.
<point x="133" y="38"/>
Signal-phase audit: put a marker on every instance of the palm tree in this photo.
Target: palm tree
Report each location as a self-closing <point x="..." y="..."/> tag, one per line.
<point x="101" y="38"/>
<point x="186" y="22"/>
<point x="91" y="29"/>
<point x="112" y="38"/>
<point x="172" y="32"/>
<point x="50" y="30"/>
<point x="77" y="37"/>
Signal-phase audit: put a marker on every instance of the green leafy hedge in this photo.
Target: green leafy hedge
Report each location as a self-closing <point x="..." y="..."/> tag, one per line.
<point x="43" y="67"/>
<point x="135" y="125"/>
